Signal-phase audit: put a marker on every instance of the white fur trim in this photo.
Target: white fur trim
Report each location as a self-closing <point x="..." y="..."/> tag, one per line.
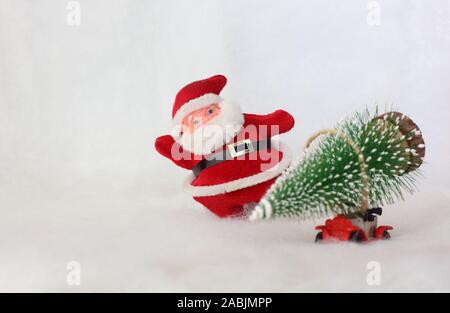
<point x="194" y="105"/>
<point x="203" y="191"/>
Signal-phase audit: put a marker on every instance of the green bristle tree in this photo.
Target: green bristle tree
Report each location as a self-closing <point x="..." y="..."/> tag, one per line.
<point x="371" y="158"/>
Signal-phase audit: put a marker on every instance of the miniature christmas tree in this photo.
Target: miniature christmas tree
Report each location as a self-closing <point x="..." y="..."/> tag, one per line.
<point x="367" y="160"/>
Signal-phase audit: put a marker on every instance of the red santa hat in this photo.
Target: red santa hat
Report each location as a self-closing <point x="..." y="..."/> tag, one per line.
<point x="197" y="95"/>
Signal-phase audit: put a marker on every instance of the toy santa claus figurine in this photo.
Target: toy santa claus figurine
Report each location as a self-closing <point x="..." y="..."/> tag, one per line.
<point x="232" y="156"/>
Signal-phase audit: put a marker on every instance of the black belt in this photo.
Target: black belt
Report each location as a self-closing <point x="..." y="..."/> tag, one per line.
<point x="233" y="150"/>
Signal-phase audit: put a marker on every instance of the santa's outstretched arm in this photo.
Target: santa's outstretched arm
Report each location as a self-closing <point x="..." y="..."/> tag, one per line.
<point x="168" y="147"/>
<point x="280" y="118"/>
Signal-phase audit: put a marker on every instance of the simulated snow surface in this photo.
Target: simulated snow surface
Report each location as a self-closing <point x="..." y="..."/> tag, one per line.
<point x="80" y="107"/>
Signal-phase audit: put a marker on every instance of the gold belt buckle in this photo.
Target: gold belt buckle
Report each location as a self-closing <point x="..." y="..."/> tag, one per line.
<point x="232" y="147"/>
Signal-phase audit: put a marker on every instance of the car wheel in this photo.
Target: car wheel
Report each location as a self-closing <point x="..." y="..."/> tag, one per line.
<point x="386" y="235"/>
<point x="355" y="237"/>
<point x="319" y="237"/>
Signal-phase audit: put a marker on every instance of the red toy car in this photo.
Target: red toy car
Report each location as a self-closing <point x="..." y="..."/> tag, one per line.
<point x="357" y="229"/>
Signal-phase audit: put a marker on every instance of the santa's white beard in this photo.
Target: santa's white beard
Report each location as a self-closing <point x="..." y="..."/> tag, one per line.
<point x="216" y="133"/>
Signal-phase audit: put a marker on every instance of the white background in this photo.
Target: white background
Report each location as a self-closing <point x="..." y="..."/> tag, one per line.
<point x="80" y="107"/>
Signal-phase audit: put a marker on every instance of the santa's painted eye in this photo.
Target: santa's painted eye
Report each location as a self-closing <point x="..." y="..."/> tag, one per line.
<point x="210" y="111"/>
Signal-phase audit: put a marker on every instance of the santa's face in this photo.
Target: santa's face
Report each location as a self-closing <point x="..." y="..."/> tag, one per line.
<point x="200" y="118"/>
<point x="207" y="129"/>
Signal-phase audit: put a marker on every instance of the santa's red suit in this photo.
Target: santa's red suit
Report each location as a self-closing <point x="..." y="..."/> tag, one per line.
<point x="251" y="160"/>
